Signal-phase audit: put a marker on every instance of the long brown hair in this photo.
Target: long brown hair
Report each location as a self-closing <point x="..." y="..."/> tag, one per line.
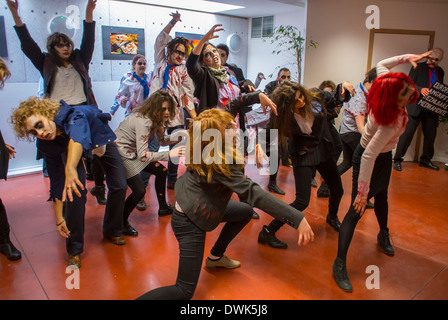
<point x="284" y="96"/>
<point x="55" y="39"/>
<point x="151" y="108"/>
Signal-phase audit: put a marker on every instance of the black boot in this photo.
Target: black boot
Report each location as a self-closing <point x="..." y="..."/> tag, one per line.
<point x="384" y="242"/>
<point x="340" y="275"/>
<point x="99" y="192"/>
<point x="269" y="238"/>
<point x="8" y="249"/>
<point x="334" y="222"/>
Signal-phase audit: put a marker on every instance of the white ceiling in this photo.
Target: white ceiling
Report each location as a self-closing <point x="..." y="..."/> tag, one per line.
<point x="260" y="8"/>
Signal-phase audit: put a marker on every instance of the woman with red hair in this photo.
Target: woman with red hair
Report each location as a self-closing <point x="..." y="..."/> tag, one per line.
<point x="372" y="159"/>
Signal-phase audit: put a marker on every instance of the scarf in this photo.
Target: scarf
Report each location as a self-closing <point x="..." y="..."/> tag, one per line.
<point x="144" y="83"/>
<point x="219" y="74"/>
<point x="166" y="75"/>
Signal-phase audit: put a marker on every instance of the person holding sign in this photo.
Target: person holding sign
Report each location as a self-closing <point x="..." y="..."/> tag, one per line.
<point x="424" y="76"/>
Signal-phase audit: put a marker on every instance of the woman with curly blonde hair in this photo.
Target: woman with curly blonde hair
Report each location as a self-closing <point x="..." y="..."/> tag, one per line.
<point x="203" y="201"/>
<point x="64" y="134"/>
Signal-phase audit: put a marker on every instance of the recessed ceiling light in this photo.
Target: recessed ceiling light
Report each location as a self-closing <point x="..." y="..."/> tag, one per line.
<point x="197" y="5"/>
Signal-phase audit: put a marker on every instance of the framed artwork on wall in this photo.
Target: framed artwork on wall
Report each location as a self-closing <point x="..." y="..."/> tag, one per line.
<point x="3" y="45"/>
<point x="122" y="43"/>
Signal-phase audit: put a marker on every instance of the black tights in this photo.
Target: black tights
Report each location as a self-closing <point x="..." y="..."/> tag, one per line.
<point x="379" y="184"/>
<point x="302" y="177"/>
<point x="139" y="190"/>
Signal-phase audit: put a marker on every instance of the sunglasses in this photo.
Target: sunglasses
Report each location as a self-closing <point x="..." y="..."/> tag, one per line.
<point x="141" y="63"/>
<point x="180" y="53"/>
<point x="62" y="45"/>
<point x="285" y="77"/>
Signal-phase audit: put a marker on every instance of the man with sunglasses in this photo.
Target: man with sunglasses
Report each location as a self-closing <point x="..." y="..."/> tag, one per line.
<point x="424" y="76"/>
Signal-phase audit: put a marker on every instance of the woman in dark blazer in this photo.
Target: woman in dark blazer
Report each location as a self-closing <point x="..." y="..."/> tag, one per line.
<point x="302" y="118"/>
<point x="6" y="153"/>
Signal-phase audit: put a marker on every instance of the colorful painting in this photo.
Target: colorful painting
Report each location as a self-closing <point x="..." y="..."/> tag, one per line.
<point x="120" y="43"/>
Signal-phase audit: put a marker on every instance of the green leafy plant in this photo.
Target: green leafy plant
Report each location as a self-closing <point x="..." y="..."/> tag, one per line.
<point x="288" y="40"/>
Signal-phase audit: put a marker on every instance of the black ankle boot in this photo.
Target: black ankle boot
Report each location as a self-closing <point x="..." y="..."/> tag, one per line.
<point x="334" y="222"/>
<point x="99" y="192"/>
<point x="340" y="275"/>
<point x="269" y="238"/>
<point x="384" y="242"/>
<point x="8" y="249"/>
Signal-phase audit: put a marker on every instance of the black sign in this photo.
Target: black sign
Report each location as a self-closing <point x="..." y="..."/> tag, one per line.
<point x="437" y="99"/>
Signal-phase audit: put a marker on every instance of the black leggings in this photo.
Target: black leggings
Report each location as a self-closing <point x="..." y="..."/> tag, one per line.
<point x="302" y="177"/>
<point x="379" y="185"/>
<point x="191" y="246"/>
<point x="139" y="190"/>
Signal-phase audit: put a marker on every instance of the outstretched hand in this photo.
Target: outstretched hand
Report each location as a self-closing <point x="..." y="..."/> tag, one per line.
<point x="267" y="103"/>
<point x="419" y="57"/>
<point x="211" y="33"/>
<point x="175" y="16"/>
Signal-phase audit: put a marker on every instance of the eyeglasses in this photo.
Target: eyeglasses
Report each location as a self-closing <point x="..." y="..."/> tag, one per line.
<point x="285" y="77"/>
<point x="62" y="45"/>
<point x="180" y="53"/>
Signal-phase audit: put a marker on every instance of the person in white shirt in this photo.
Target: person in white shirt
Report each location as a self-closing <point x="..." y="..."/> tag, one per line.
<point x="372" y="159"/>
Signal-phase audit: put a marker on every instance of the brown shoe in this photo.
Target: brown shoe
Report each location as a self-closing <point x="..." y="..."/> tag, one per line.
<point x="74" y="261"/>
<point x="119" y="241"/>
<point x="223" y="262"/>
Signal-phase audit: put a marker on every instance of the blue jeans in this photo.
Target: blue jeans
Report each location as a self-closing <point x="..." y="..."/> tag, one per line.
<point x="113" y="216"/>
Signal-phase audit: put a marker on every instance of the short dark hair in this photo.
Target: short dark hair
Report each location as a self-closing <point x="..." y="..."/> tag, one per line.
<point x="281" y="70"/>
<point x="224" y="47"/>
<point x="327" y="84"/>
<point x="53" y="40"/>
<point x="370" y="76"/>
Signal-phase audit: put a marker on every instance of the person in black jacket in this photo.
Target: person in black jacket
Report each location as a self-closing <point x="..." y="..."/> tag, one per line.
<point x="6" y="152"/>
<point x="302" y="118"/>
<point x="424" y="76"/>
<point x="203" y="201"/>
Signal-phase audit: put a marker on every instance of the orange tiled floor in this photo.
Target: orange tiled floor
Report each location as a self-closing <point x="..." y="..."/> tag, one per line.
<point x="418" y="221"/>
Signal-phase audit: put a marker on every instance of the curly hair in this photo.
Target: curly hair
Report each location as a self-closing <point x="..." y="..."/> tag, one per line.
<point x="4" y="73"/>
<point x="151" y="108"/>
<point x="173" y="44"/>
<point x="33" y="106"/>
<point x="223" y="152"/>
<point x="383" y="95"/>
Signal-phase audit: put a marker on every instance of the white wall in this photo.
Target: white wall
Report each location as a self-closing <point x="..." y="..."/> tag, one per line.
<point x="260" y="56"/>
<point x="105" y="74"/>
<point x="339" y="28"/>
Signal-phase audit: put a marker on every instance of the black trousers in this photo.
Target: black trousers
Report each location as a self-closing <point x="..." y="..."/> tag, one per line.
<point x="4" y="225"/>
<point x="302" y="177"/>
<point x="379" y="185"/>
<point x="139" y="189"/>
<point x="429" y="122"/>
<point x="191" y="246"/>
<point x="350" y="141"/>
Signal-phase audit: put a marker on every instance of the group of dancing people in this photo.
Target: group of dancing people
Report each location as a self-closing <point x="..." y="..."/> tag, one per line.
<point x="189" y="92"/>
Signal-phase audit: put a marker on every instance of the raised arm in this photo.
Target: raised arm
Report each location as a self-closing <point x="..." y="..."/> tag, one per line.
<point x="14" y="8"/>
